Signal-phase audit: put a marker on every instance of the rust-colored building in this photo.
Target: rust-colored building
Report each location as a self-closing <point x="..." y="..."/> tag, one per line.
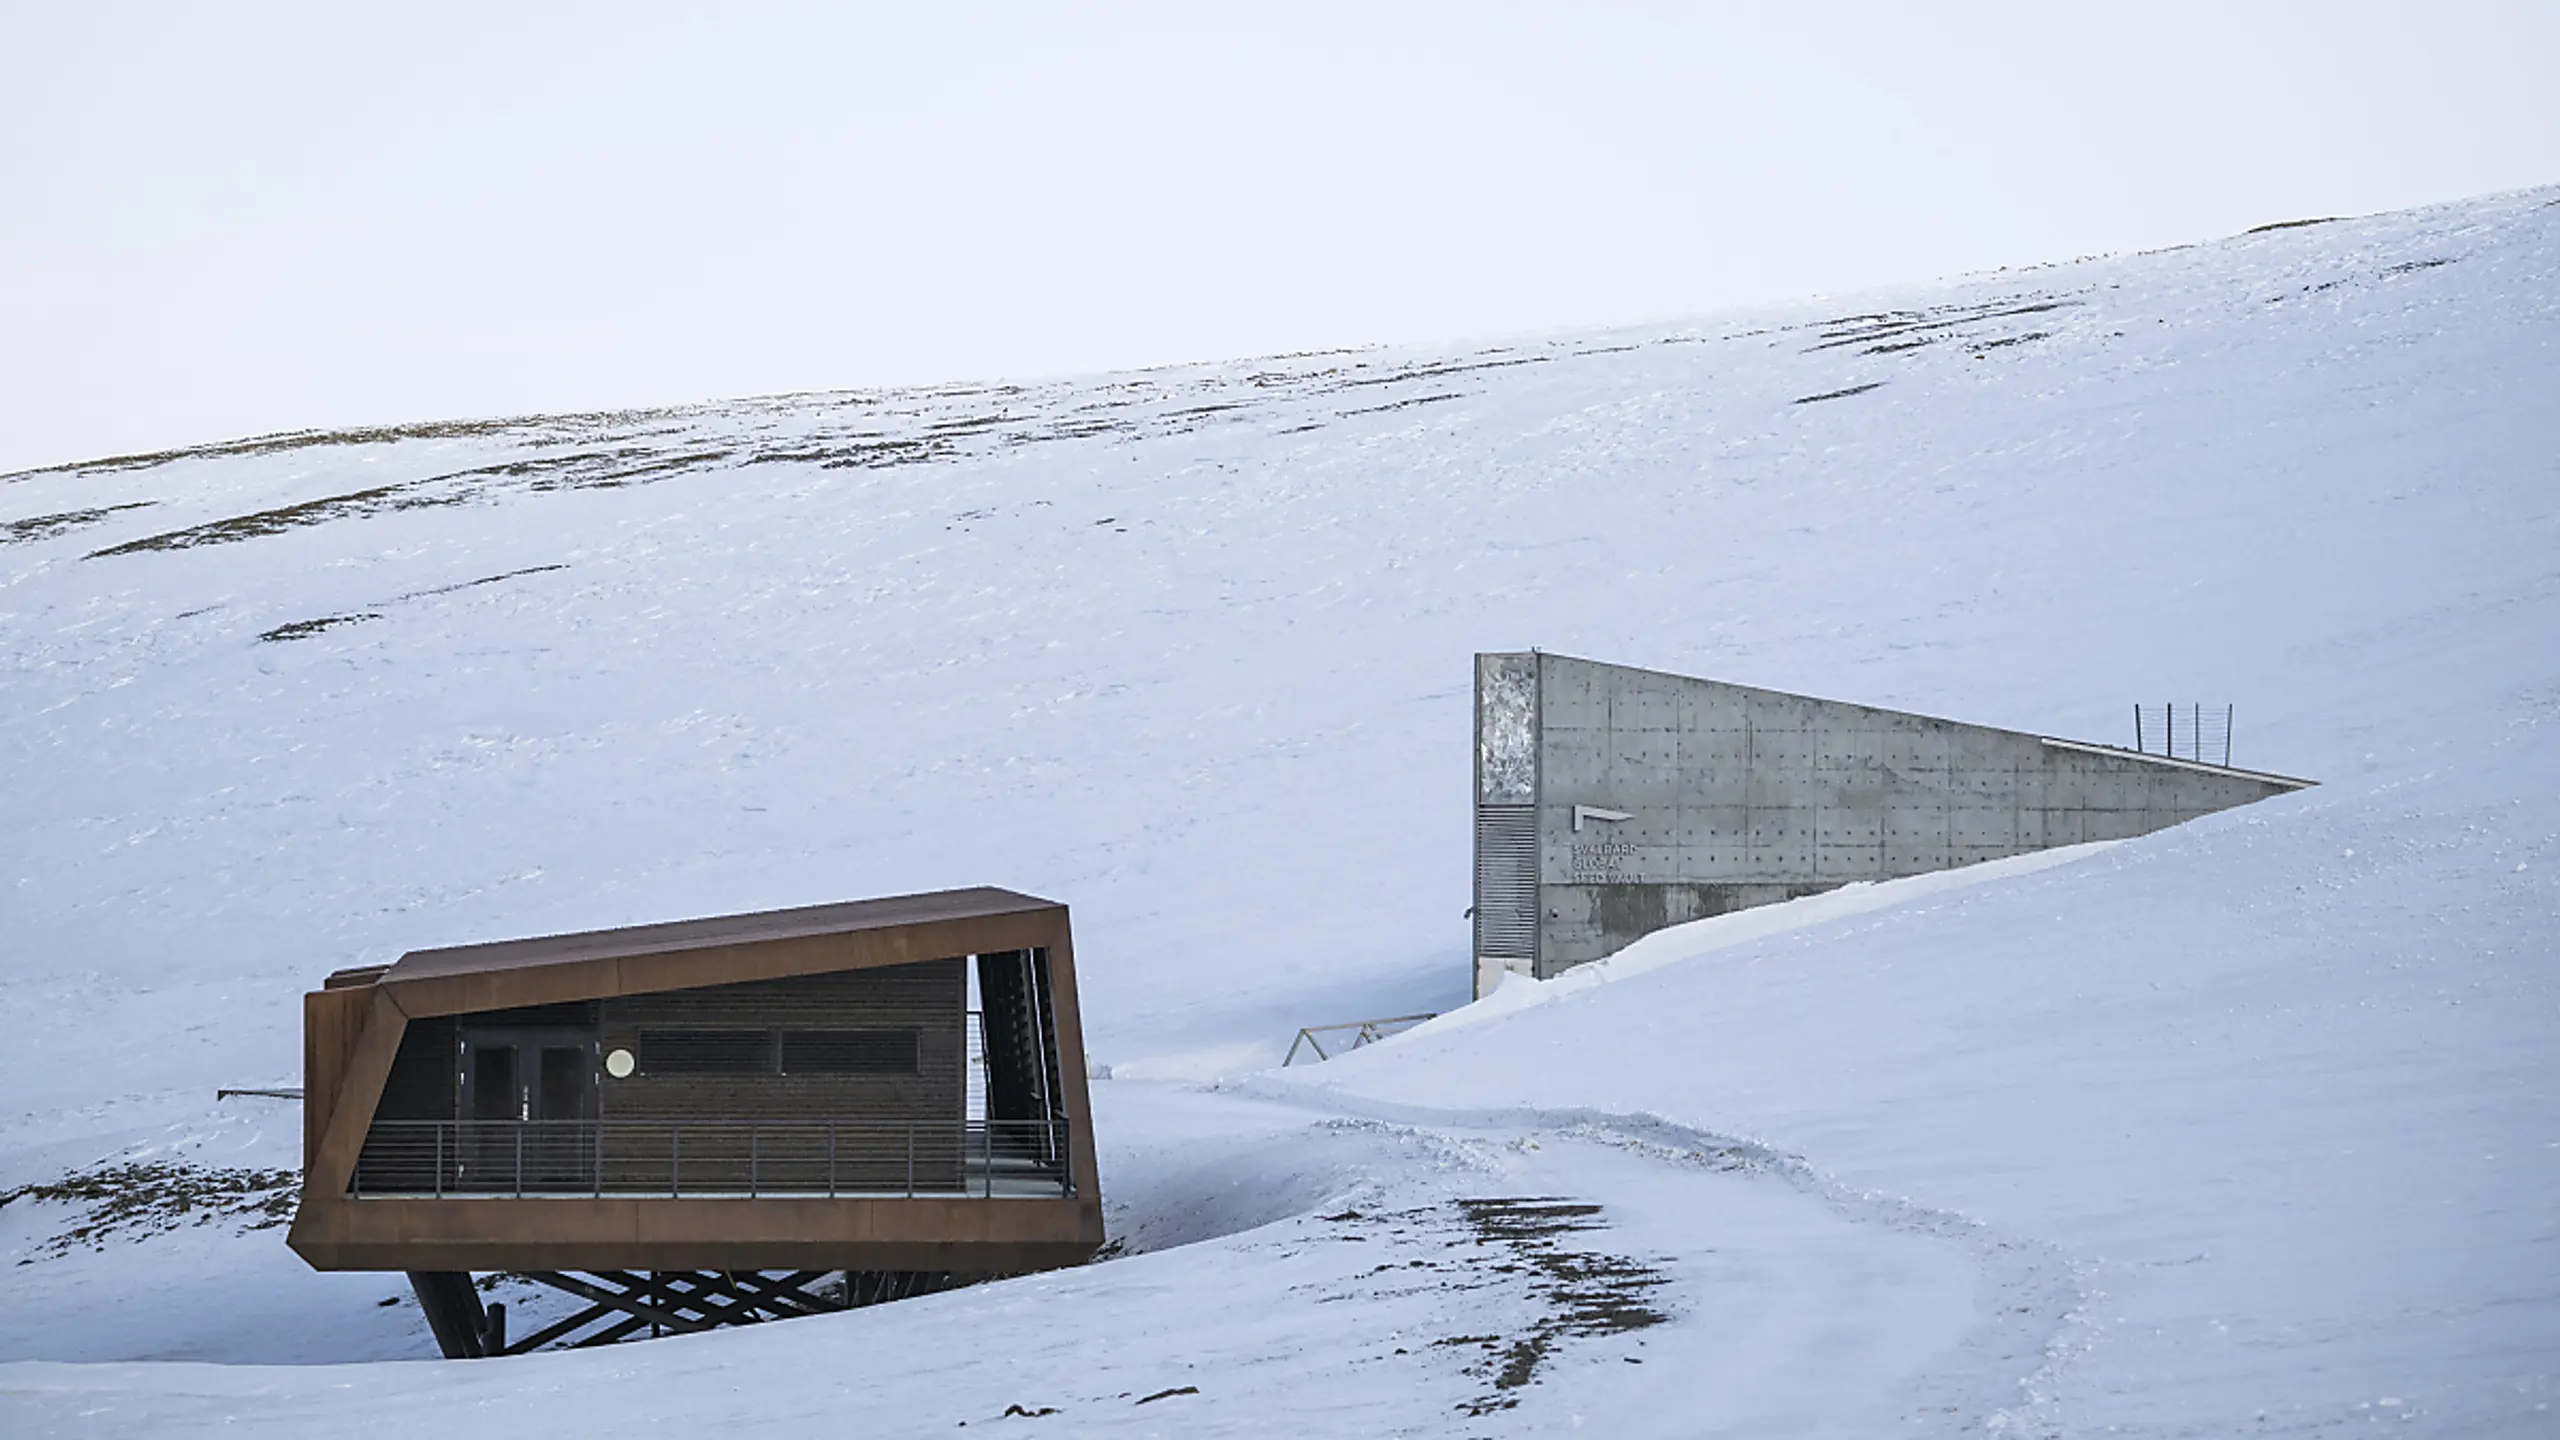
<point x="708" y="1122"/>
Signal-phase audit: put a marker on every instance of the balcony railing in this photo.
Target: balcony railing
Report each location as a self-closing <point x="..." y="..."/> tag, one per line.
<point x="988" y="1159"/>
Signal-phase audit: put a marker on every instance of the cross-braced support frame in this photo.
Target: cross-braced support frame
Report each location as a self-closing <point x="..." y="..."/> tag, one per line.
<point x="624" y="1304"/>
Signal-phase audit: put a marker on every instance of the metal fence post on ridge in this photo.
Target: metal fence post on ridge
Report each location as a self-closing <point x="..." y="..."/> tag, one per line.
<point x="1363" y="1032"/>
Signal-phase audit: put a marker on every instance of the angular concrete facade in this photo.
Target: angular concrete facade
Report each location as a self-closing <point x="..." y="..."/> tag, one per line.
<point x="1612" y="801"/>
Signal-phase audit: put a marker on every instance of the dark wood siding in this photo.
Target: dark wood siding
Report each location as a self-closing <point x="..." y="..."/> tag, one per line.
<point x="929" y="998"/>
<point x="571" y="1015"/>
<point x="420" y="1087"/>
<point x="421" y="1083"/>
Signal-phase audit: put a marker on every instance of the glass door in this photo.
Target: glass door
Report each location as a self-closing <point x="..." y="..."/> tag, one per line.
<point x="529" y="1107"/>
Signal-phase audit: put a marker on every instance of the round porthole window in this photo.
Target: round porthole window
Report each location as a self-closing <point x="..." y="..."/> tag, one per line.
<point x="619" y="1064"/>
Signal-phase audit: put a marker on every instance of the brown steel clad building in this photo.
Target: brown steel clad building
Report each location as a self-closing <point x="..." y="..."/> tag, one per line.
<point x="706" y="1122"/>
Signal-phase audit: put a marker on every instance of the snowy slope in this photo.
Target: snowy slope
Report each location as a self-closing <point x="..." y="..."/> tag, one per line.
<point x="2252" y="1119"/>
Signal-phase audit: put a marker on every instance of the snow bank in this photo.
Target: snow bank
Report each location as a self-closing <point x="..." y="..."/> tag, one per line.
<point x="1687" y="941"/>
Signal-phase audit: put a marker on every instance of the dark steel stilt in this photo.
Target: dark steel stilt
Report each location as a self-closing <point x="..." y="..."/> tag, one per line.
<point x="464" y="1328"/>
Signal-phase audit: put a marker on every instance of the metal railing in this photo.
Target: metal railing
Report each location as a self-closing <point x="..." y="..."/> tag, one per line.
<point x="1350" y="1035"/>
<point x="2192" y="731"/>
<point x="989" y="1159"/>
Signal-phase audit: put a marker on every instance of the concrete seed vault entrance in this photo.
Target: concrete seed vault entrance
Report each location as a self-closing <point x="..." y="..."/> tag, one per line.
<point x="1611" y="801"/>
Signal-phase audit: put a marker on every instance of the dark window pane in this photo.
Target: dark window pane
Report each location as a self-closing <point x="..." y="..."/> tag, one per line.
<point x="706" y="1052"/>
<point x="567" y="1074"/>
<point x="493" y="1083"/>
<point x="849" y="1052"/>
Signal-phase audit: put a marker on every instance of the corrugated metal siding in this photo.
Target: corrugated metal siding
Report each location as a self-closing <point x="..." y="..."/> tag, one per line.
<point x="1507" y="881"/>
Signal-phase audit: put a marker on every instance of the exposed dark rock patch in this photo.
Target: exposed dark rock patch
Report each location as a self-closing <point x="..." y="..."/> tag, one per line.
<point x="1839" y="394"/>
<point x="45" y="527"/>
<point x="1585" y="1292"/>
<point x="139" y="1199"/>
<point x="1888" y="331"/>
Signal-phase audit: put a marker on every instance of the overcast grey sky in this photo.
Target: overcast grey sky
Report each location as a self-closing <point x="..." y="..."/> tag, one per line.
<point x="216" y="221"/>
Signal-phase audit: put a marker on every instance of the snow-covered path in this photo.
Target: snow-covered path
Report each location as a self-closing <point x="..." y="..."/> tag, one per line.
<point x="1438" y="1278"/>
<point x="2243" y="1127"/>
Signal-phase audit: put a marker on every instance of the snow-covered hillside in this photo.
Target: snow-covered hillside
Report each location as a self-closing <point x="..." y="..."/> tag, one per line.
<point x="2248" y="1127"/>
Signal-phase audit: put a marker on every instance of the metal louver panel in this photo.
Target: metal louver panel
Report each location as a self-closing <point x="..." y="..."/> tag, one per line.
<point x="1507" y="881"/>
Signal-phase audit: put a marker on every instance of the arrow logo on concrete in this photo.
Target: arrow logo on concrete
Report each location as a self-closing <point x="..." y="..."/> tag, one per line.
<point x="1594" y="812"/>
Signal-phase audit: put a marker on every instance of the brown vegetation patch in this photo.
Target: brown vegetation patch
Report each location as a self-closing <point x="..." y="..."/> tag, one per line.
<point x="140" y="1199"/>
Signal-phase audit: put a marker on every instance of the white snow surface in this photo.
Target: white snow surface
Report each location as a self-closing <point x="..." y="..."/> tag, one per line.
<point x="2249" y="1127"/>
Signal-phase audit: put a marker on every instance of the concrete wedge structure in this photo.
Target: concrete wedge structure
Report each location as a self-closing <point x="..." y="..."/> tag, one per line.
<point x="1612" y="801"/>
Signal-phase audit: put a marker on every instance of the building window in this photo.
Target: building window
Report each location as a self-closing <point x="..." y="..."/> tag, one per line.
<point x="706" y="1052"/>
<point x="849" y="1052"/>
